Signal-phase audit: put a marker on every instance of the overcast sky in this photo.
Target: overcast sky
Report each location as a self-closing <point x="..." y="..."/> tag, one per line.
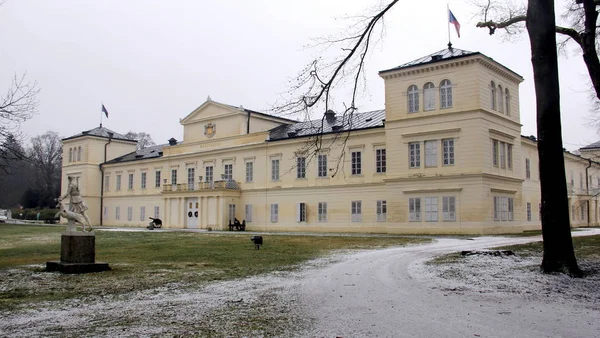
<point x="153" y="62"/>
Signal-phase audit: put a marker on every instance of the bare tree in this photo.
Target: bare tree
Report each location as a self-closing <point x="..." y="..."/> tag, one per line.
<point x="17" y="106"/>
<point x="46" y="155"/>
<point x="143" y="140"/>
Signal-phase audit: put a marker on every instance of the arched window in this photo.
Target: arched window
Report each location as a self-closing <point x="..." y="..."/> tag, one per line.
<point x="70" y="155"/>
<point x="507" y="101"/>
<point x="500" y="100"/>
<point x="413" y="99"/>
<point x="493" y="95"/>
<point x="429" y="96"/>
<point x="445" y="94"/>
<point x="79" y="154"/>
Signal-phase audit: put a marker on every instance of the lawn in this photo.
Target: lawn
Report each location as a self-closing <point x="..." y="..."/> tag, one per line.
<point x="142" y="260"/>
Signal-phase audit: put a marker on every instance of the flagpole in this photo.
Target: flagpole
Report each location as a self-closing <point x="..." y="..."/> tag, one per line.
<point x="448" y="23"/>
<point x="101" y="112"/>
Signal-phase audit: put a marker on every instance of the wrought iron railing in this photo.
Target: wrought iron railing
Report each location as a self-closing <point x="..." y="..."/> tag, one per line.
<point x="201" y="186"/>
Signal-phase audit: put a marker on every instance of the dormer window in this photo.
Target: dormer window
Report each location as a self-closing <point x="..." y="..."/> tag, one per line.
<point x="493" y="95"/>
<point x="429" y="96"/>
<point x="500" y="99"/>
<point x="413" y="99"/>
<point x="445" y="94"/>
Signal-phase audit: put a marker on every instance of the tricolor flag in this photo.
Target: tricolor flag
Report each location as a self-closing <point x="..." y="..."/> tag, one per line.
<point x="452" y="20"/>
<point x="104" y="110"/>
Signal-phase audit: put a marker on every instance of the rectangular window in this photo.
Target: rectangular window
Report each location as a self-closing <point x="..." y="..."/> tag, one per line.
<point x="249" y="172"/>
<point x="582" y="210"/>
<point x="414" y="150"/>
<point x="322" y="166"/>
<point x="231" y="213"/>
<point x="380" y="161"/>
<point x="190" y="178"/>
<point x="229" y="172"/>
<point x="528" y="212"/>
<point x="142" y="213"/>
<point x="356" y="211"/>
<point x="527" y="169"/>
<point x="381" y="211"/>
<point x="495" y="153"/>
<point x="248" y="212"/>
<point x="105" y="212"/>
<point x="430" y="153"/>
<point x="157" y="179"/>
<point x="503" y="208"/>
<point x="509" y="156"/>
<point x="322" y="211"/>
<point x="143" y="180"/>
<point x="157" y="212"/>
<point x="502" y="155"/>
<point x="356" y="162"/>
<point x="106" y="182"/>
<point x="414" y="209"/>
<point x="129" y="213"/>
<point x="275" y="170"/>
<point x="301" y="212"/>
<point x="448" y="151"/>
<point x="449" y="208"/>
<point x="118" y="182"/>
<point x="117" y="213"/>
<point x="173" y="176"/>
<point x="431" y="209"/>
<point x="209" y="174"/>
<point x="580" y="181"/>
<point x="301" y="167"/>
<point x="274" y="213"/>
<point x="130" y="184"/>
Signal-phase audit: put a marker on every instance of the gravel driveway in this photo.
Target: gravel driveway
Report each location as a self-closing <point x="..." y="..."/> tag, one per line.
<point x="381" y="293"/>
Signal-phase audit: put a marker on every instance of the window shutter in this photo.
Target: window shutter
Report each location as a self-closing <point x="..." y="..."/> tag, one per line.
<point x="298" y="217"/>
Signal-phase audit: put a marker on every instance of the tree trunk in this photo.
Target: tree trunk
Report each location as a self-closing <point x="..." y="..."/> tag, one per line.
<point x="588" y="44"/>
<point x="559" y="255"/>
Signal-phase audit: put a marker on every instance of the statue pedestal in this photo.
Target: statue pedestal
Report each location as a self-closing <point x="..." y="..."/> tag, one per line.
<point x="77" y="254"/>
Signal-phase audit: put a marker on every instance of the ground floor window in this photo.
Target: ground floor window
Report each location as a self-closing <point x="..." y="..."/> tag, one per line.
<point x="449" y="208"/>
<point x="117" y="213"/>
<point x="248" y="213"/>
<point x="129" y="213"/>
<point x="356" y="211"/>
<point x="231" y="213"/>
<point x="322" y="211"/>
<point x="528" y="212"/>
<point x="142" y="213"/>
<point x="157" y="212"/>
<point x="274" y="213"/>
<point x="431" y="209"/>
<point x="301" y="212"/>
<point x="381" y="211"/>
<point x="414" y="209"/>
<point x="503" y="208"/>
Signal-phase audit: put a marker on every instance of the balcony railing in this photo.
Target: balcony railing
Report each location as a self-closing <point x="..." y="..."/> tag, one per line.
<point x="201" y="186"/>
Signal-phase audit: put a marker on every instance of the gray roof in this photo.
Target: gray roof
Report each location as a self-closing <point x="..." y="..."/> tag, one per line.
<point x="442" y="55"/>
<point x="358" y="121"/>
<point x="100" y="132"/>
<point x="594" y="145"/>
<point x="142" y="154"/>
<point x="263" y="114"/>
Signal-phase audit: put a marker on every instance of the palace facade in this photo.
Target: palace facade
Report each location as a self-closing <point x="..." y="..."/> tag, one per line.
<point x="445" y="156"/>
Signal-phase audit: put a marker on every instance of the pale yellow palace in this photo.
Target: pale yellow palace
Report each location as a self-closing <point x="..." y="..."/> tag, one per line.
<point x="446" y="155"/>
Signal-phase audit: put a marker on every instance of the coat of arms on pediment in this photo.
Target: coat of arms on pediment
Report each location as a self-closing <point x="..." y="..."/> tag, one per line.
<point x="210" y="129"/>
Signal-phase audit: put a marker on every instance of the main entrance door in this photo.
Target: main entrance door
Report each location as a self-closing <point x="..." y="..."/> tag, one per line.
<point x="192" y="212"/>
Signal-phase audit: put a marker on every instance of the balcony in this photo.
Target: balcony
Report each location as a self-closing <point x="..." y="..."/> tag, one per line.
<point x="202" y="186"/>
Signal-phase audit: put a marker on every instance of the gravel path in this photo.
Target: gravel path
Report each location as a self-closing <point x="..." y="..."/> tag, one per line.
<point x="382" y="293"/>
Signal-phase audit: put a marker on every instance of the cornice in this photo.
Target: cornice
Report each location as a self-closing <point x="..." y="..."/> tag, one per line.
<point x="428" y="68"/>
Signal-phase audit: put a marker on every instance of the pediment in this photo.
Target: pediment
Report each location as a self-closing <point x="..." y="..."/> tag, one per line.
<point x="210" y="110"/>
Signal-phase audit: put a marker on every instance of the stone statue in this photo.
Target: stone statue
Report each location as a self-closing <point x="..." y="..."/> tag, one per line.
<point x="77" y="206"/>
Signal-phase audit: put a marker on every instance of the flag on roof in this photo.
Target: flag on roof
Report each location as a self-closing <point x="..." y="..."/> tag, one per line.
<point x="104" y="110"/>
<point x="452" y="20"/>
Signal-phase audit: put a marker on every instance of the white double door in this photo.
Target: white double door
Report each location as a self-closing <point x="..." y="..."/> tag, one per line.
<point x="192" y="212"/>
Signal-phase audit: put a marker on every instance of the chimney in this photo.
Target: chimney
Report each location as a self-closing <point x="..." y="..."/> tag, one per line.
<point x="330" y="116"/>
<point x="172" y="141"/>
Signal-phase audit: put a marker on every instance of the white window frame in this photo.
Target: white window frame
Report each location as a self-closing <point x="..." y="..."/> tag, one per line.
<point x="142" y="213"/>
<point x="503" y="209"/>
<point x="173" y="176"/>
<point x="507" y="101"/>
<point x="493" y="95"/>
<point x="106" y="182"/>
<point x="274" y="212"/>
<point x="509" y="156"/>
<point x="528" y="212"/>
<point x="449" y="208"/>
<point x="448" y="152"/>
<point x="143" y="180"/>
<point x="191" y="176"/>
<point x="500" y="99"/>
<point x="117" y="213"/>
<point x="414" y="154"/>
<point x="356" y="211"/>
<point x="445" y="94"/>
<point x="248" y="215"/>
<point x="209" y="173"/>
<point x="130" y="181"/>
<point x="322" y="165"/>
<point x="118" y="183"/>
<point x="495" y="152"/>
<point x="527" y="169"/>
<point x="429" y="96"/>
<point x="381" y="209"/>
<point x="231" y="212"/>
<point x="413" y="99"/>
<point x="431" y="209"/>
<point x="275" y="162"/>
<point x="431" y="154"/>
<point x="301" y="167"/>
<point x="380" y="161"/>
<point x="249" y="172"/>
<point x="228" y="171"/>
<point x="322" y="211"/>
<point x="156" y="211"/>
<point x="157" y="179"/>
<point x="414" y="209"/>
<point x="301" y="212"/>
<point x="502" y="155"/>
<point x="356" y="162"/>
<point x="129" y="213"/>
